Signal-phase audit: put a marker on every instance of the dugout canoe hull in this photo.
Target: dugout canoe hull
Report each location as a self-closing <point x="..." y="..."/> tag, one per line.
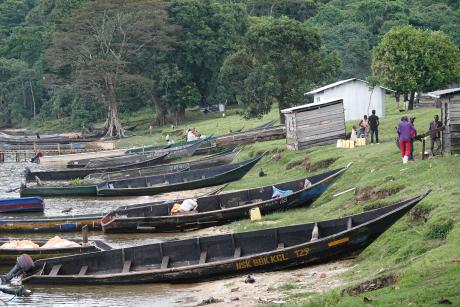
<point x="218" y="209"/>
<point x="80" y="173"/>
<point x="18" y="205"/>
<point x="51" y="224"/>
<point x="196" y="179"/>
<point x="221" y="158"/>
<point x="211" y="257"/>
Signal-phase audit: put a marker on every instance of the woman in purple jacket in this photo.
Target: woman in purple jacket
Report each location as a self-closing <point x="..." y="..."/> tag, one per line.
<point x="404" y="130"/>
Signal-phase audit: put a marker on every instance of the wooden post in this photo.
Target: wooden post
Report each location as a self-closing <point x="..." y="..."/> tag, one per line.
<point x="84" y="234"/>
<point x="423" y="149"/>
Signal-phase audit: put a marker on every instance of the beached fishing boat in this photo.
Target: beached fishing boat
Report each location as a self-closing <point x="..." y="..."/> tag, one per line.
<point x="45" y="139"/>
<point x="177" y="181"/>
<point x="220" y="158"/>
<point x="9" y="255"/>
<point x="149" y="185"/>
<point x="27" y="204"/>
<point x="149" y="148"/>
<point x="219" y="209"/>
<point x="202" y="258"/>
<point x="51" y="224"/>
<point x="114" y="161"/>
<point x="172" y="153"/>
<point x="80" y="173"/>
<point x="63" y="190"/>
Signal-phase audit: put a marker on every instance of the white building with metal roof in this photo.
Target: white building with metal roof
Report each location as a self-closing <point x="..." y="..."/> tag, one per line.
<point x="358" y="97"/>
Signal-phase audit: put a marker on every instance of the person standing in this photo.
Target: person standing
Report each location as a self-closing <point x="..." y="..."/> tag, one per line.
<point x="404" y="130"/>
<point x="397" y="99"/>
<point x="362" y="127"/>
<point x="406" y="102"/>
<point x="413" y="133"/>
<point x="374" y="127"/>
<point x="435" y="134"/>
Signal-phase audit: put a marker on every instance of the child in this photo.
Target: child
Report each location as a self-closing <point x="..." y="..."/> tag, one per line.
<point x="354" y="134"/>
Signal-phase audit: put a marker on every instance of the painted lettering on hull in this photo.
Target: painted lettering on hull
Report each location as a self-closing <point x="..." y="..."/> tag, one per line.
<point x="267" y="260"/>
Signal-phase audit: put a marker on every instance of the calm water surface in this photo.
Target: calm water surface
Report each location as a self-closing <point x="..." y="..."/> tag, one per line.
<point x="134" y="295"/>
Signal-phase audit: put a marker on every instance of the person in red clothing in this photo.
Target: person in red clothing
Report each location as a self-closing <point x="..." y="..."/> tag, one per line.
<point x="405" y="128"/>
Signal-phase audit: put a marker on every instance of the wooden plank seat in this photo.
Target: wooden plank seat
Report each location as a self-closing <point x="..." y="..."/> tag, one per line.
<point x="203" y="256"/>
<point x="349" y="223"/>
<point x="237" y="253"/>
<point x="165" y="262"/>
<point x="126" y="266"/>
<point x="83" y="270"/>
<point x="55" y="270"/>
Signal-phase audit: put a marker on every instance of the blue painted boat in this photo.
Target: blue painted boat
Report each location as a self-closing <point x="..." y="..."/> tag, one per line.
<point x="26" y="204"/>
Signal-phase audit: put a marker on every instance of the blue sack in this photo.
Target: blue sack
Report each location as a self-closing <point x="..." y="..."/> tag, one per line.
<point x="277" y="193"/>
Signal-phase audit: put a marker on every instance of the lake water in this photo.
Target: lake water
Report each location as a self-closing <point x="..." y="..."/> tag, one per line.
<point x="133" y="295"/>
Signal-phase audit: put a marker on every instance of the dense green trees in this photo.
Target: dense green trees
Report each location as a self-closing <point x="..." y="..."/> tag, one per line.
<point x="281" y="58"/>
<point x="183" y="53"/>
<point x="410" y="60"/>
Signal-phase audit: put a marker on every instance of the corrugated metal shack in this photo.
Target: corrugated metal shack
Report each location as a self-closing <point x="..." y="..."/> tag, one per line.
<point x="450" y="117"/>
<point x="314" y="124"/>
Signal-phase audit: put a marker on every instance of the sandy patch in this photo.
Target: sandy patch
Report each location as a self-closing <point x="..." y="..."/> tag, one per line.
<point x="266" y="288"/>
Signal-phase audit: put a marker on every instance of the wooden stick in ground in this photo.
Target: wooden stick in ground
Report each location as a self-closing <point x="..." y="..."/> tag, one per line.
<point x="349" y="190"/>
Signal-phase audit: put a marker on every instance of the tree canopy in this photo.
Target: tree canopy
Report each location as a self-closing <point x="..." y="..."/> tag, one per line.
<point x="410" y="60"/>
<point x="205" y="52"/>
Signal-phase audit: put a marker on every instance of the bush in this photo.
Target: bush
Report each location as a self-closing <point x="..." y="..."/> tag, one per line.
<point x="439" y="229"/>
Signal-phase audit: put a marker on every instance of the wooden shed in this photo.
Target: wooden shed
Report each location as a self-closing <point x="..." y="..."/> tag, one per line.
<point x="314" y="124"/>
<point x="450" y="117"/>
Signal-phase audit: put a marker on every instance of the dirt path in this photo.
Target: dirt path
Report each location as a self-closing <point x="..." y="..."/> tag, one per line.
<point x="268" y="288"/>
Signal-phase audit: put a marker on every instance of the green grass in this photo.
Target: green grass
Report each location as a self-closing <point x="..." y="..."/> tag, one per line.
<point x="424" y="255"/>
<point x="212" y="123"/>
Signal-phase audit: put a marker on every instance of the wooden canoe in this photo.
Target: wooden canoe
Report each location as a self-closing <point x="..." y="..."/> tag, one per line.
<point x="115" y="161"/>
<point x="178" y="152"/>
<point x="149" y="185"/>
<point x="51" y="224"/>
<point x="221" y="158"/>
<point x="80" y="173"/>
<point x="196" y="179"/>
<point x="27" y="204"/>
<point x="208" y="257"/>
<point x="9" y="255"/>
<point x="63" y="190"/>
<point x="218" y="209"/>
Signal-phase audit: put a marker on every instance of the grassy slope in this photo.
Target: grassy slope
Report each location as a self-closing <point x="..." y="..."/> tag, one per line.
<point x="422" y="254"/>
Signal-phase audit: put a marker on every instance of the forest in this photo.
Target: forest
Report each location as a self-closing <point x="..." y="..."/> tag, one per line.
<point x="82" y="61"/>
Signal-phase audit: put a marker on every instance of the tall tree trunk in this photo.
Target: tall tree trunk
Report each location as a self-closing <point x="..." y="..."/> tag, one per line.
<point x="160" y="111"/>
<point x="114" y="127"/>
<point x="411" y="101"/>
<point x="179" y="114"/>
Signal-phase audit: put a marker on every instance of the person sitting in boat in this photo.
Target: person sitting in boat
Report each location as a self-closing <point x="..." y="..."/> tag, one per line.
<point x="191" y="136"/>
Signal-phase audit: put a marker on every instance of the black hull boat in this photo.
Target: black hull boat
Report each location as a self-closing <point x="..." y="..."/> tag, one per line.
<point x="221" y="158"/>
<point x="172" y="153"/>
<point x="218" y="209"/>
<point x="202" y="258"/>
<point x="80" y="173"/>
<point x="196" y="179"/>
<point x="150" y="185"/>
